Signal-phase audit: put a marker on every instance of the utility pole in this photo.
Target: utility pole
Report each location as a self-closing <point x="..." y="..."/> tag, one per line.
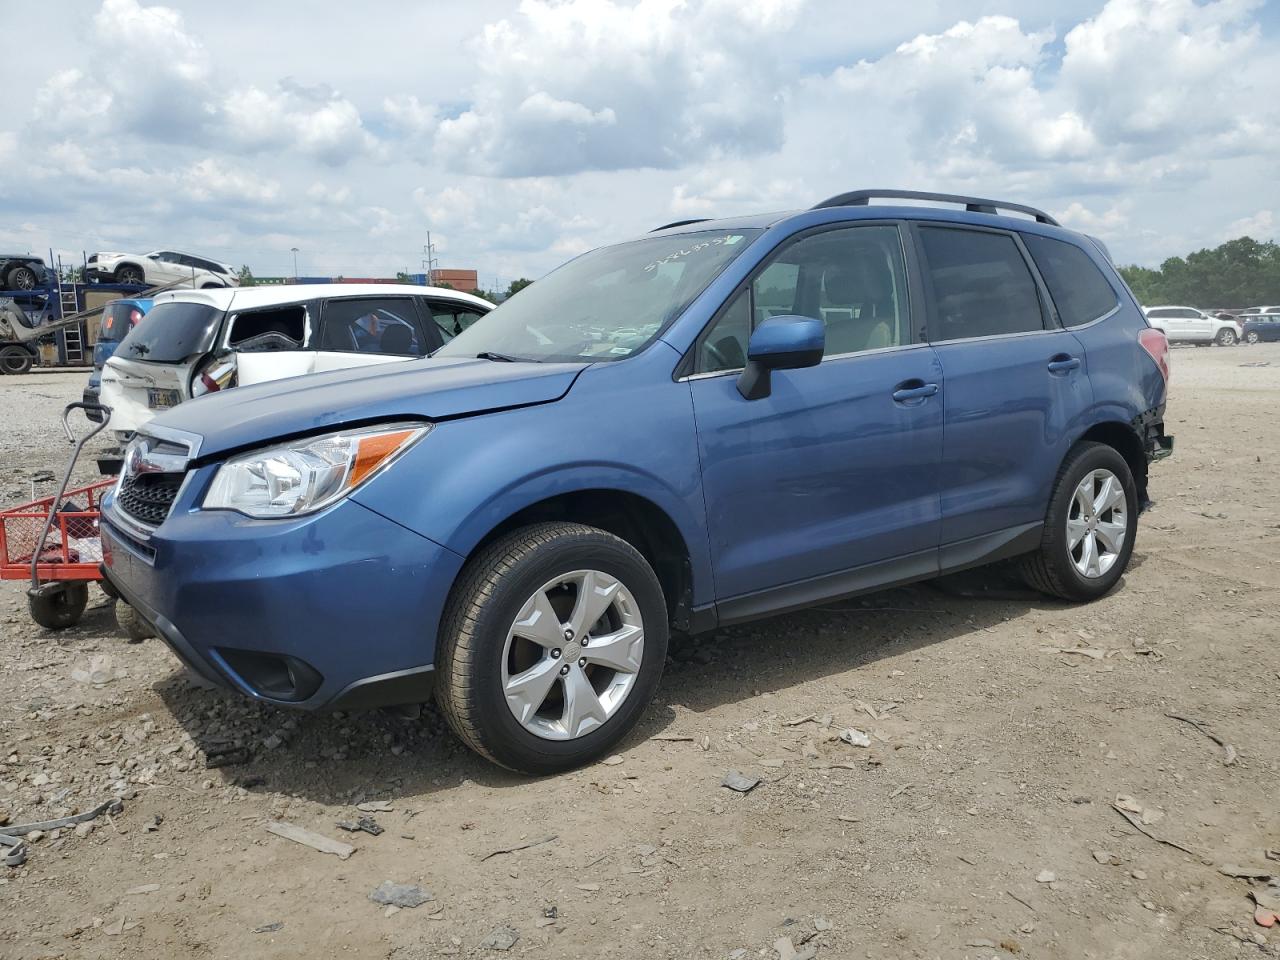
<point x="429" y="261"/>
<point x="295" y="262"/>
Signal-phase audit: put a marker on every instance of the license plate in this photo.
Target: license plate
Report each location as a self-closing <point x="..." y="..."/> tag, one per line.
<point x="158" y="399"/>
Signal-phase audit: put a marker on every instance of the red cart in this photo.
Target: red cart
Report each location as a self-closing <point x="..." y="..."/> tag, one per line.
<point x="53" y="542"/>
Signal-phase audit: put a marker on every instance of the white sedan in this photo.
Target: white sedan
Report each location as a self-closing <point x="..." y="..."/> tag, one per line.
<point x="161" y="268"/>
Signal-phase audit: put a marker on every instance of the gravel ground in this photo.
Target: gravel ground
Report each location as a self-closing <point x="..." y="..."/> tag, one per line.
<point x="981" y="822"/>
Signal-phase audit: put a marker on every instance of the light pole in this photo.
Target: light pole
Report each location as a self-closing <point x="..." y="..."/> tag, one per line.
<point x="295" y="262"/>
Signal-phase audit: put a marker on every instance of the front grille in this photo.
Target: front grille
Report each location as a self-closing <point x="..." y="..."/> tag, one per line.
<point x="147" y="497"/>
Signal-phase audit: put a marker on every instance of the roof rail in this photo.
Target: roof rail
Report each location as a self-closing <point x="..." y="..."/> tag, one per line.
<point x="679" y="223"/>
<point x="861" y="198"/>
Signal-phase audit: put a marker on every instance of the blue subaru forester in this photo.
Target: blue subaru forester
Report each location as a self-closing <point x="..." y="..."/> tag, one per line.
<point x="716" y="422"/>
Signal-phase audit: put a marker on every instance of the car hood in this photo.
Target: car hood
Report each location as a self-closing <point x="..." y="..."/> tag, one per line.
<point x="433" y="389"/>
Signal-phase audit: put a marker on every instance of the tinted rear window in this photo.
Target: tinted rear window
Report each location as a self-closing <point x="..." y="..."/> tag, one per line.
<point x="981" y="285"/>
<point x="115" y="321"/>
<point x="171" y="332"/>
<point x="1079" y="290"/>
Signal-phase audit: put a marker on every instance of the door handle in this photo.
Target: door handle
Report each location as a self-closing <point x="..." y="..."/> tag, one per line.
<point x="910" y="390"/>
<point x="1063" y="364"/>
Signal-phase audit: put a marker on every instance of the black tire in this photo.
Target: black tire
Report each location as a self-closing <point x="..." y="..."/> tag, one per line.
<point x="128" y="273"/>
<point x="59" y="608"/>
<point x="1050" y="568"/>
<point x="22" y="278"/>
<point x="15" y="360"/>
<point x="482" y="607"/>
<point x="131" y="624"/>
<point x="1226" y="338"/>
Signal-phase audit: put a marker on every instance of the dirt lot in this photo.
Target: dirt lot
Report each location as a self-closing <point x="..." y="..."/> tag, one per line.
<point x="979" y="823"/>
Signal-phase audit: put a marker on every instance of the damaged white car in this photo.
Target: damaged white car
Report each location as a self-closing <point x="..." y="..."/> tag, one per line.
<point x="195" y="342"/>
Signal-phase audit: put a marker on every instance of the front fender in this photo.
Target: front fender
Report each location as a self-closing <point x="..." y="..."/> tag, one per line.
<point x="616" y="430"/>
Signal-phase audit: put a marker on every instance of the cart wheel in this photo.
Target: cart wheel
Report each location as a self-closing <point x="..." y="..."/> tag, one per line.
<point x="132" y="625"/>
<point x="58" y="606"/>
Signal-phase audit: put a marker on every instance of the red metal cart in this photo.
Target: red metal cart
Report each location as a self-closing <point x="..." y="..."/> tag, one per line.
<point x="53" y="542"/>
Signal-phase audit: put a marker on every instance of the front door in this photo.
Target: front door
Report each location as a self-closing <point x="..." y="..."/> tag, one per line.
<point x="1016" y="383"/>
<point x="838" y="467"/>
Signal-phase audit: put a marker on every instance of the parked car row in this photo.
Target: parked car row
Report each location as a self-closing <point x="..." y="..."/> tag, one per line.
<point x="1189" y="325"/>
<point x="714" y="422"/>
<point x="1260" y="324"/>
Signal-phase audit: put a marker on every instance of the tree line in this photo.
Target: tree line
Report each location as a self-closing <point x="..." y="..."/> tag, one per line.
<point x="1238" y="273"/>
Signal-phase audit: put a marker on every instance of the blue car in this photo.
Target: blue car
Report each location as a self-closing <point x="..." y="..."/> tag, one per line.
<point x="718" y="421"/>
<point x="118" y="318"/>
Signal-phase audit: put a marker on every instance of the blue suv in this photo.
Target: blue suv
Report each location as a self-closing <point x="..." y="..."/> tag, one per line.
<point x="718" y="421"/>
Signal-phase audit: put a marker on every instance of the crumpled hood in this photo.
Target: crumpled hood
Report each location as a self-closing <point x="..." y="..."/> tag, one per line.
<point x="433" y="389"/>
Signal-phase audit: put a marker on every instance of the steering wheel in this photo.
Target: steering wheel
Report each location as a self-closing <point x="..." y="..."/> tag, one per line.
<point x="716" y="354"/>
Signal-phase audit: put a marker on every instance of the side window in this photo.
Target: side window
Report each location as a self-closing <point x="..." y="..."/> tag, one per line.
<point x="1159" y="314"/>
<point x="852" y="279"/>
<point x="276" y="328"/>
<point x="451" y="318"/>
<point x="1078" y="288"/>
<point x="372" y="325"/>
<point x="981" y="285"/>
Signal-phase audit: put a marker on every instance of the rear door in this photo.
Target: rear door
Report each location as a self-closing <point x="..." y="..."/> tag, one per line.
<point x="1016" y="385"/>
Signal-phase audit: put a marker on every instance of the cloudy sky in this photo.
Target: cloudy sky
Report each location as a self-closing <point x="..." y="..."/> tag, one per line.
<point x="521" y="133"/>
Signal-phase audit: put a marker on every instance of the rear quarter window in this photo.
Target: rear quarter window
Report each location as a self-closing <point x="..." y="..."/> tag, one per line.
<point x="1079" y="289"/>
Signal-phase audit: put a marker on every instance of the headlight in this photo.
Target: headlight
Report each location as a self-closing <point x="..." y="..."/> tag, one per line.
<point x="308" y="474"/>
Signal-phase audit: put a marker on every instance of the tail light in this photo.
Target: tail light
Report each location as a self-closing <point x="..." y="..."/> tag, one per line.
<point x="217" y="376"/>
<point x="1157" y="346"/>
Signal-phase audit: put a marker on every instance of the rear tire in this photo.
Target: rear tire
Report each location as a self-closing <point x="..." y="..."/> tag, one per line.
<point x="516" y="583"/>
<point x="21" y="278"/>
<point x="1226" y="338"/>
<point x="15" y="360"/>
<point x="1057" y="567"/>
<point x="131" y="624"/>
<point x="60" y="608"/>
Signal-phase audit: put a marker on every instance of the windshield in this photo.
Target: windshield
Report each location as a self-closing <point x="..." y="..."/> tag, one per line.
<point x="171" y="332"/>
<point x="606" y="304"/>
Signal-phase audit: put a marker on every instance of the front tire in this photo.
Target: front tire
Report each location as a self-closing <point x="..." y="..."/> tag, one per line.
<point x="552" y="645"/>
<point x="15" y="360"/>
<point x="1226" y="338"/>
<point x="129" y="274"/>
<point x="1090" y="526"/>
<point x="1252" y="337"/>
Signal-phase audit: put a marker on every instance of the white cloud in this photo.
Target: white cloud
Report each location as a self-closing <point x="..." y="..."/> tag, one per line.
<point x="1260" y="226"/>
<point x="603" y="85"/>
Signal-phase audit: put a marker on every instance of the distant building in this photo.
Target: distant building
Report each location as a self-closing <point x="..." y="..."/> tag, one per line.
<point x="465" y="280"/>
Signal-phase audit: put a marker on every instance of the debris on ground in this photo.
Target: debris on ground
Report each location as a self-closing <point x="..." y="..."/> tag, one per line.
<point x="739" y="782"/>
<point x="1106" y="857"/>
<point x="270" y="927"/>
<point x="500" y="938"/>
<point x="12" y="836"/>
<point x="520" y="846"/>
<point x="1139" y="818"/>
<point x="375" y="806"/>
<point x="855" y="738"/>
<point x="1267" y="900"/>
<point x="225" y="755"/>
<point x="1246" y="873"/>
<point x="1046" y="876"/>
<point x="364" y="824"/>
<point x="309" y="838"/>
<point x="1228" y="751"/>
<point x="787" y="950"/>
<point x="612" y="761"/>
<point x="98" y="671"/>
<point x="403" y="895"/>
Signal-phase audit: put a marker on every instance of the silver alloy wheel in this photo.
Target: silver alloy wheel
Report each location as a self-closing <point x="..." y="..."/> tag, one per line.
<point x="1097" y="523"/>
<point x="1252" y="336"/>
<point x="1227" y="338"/>
<point x="573" y="655"/>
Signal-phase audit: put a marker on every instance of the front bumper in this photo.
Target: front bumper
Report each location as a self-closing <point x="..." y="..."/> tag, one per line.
<point x="335" y="610"/>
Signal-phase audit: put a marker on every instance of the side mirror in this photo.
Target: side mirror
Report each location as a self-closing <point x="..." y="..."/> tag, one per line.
<point x="780" y="343"/>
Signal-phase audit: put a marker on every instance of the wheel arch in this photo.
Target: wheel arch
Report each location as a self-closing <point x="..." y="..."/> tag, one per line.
<point x="634" y="518"/>
<point x="1122" y="438"/>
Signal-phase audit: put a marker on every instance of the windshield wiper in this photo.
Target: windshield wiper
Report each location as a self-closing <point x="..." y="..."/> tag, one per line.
<point x="500" y="357"/>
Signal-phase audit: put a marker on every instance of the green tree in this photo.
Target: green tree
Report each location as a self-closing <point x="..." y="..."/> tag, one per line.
<point x="482" y="294"/>
<point x="517" y="285"/>
<point x="246" y="276"/>
<point x="1239" y="273"/>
